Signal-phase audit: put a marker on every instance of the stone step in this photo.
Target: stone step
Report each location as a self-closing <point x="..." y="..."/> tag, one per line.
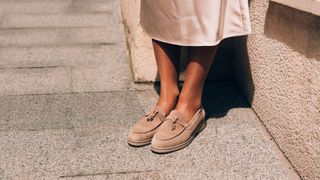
<point x="58" y="20"/>
<point x="64" y="111"/>
<point x="19" y="57"/>
<point x="55" y="6"/>
<point x="35" y="81"/>
<point x="53" y="80"/>
<point x="77" y="135"/>
<point x="59" y="36"/>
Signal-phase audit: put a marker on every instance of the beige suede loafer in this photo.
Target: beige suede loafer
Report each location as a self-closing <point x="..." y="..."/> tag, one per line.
<point x="143" y="130"/>
<point x="176" y="133"/>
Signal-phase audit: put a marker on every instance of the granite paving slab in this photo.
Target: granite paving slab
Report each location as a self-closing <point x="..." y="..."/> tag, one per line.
<point x="35" y="81"/>
<point x="63" y="56"/>
<point x="58" y="36"/>
<point x="19" y="20"/>
<point x="98" y="78"/>
<point x="234" y="145"/>
<point x="117" y="109"/>
<point x="56" y="6"/>
<point x="35" y="112"/>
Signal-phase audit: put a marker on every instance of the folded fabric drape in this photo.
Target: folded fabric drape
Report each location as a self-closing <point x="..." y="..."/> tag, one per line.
<point x="195" y="22"/>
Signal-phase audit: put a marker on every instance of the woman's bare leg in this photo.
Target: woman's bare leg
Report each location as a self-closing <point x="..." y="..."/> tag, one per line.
<point x="168" y="60"/>
<point x="198" y="66"/>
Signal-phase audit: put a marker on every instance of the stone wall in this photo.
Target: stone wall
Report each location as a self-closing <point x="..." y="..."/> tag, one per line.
<point x="280" y="74"/>
<point x="142" y="61"/>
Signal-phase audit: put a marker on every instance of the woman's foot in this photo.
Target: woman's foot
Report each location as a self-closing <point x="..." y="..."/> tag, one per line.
<point x="168" y="99"/>
<point x="189" y="104"/>
<point x="177" y="132"/>
<point x="142" y="131"/>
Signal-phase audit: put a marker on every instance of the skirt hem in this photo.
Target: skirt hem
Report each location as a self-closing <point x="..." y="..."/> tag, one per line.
<point x="197" y="44"/>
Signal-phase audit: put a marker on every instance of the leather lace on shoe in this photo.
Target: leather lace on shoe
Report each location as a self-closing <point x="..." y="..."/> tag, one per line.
<point x="177" y="132"/>
<point x="150" y="115"/>
<point x="174" y="121"/>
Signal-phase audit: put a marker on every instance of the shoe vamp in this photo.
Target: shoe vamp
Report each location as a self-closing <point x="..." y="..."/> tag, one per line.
<point x="143" y="126"/>
<point x="165" y="132"/>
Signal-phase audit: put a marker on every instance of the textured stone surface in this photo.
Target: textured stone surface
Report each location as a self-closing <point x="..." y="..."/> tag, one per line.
<point x="110" y="77"/>
<point x="68" y="111"/>
<point x="18" y="57"/>
<point x="35" y="80"/>
<point x="280" y="75"/>
<point x="311" y="6"/>
<point x="142" y="59"/>
<point x="56" y="20"/>
<point x="63" y="36"/>
<point x="116" y="109"/>
<point x="121" y="175"/>
<point x="56" y="6"/>
<point x="35" y="112"/>
<point x="234" y="144"/>
<point x="35" y="154"/>
<point x="53" y="52"/>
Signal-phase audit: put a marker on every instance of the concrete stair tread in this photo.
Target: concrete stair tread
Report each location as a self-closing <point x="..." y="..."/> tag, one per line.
<point x="86" y="128"/>
<point x="56" y="6"/>
<point x="62" y="55"/>
<point x="58" y="20"/>
<point x="58" y="36"/>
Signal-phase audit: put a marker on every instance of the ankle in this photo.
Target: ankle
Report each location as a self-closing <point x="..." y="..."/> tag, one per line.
<point x="169" y="94"/>
<point x="172" y="92"/>
<point x="166" y="107"/>
<point x="167" y="104"/>
<point x="189" y="105"/>
<point x="190" y="98"/>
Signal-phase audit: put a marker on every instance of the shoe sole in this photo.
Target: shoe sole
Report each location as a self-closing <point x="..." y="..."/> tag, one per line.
<point x="200" y="127"/>
<point x="140" y="143"/>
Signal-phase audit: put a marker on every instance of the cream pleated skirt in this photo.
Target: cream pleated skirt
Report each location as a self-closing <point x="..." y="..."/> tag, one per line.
<point x="194" y="22"/>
